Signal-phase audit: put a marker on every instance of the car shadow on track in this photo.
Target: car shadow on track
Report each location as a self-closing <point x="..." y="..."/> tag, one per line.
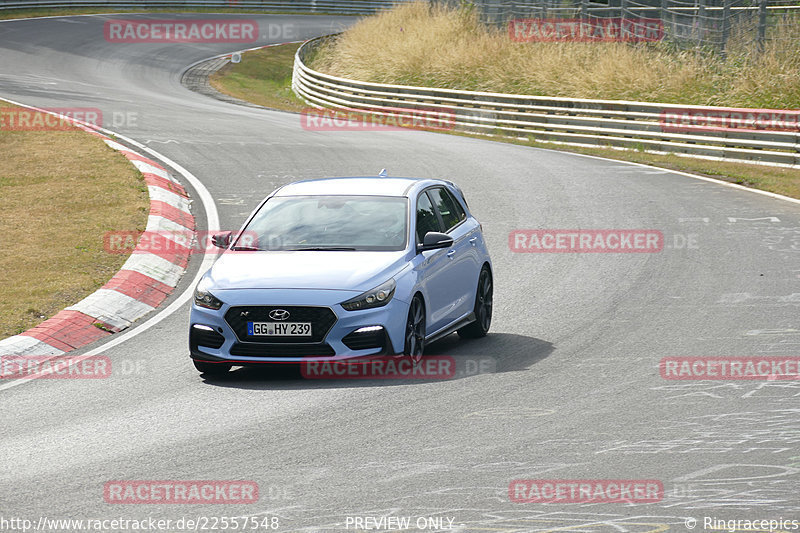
<point x="448" y="359"/>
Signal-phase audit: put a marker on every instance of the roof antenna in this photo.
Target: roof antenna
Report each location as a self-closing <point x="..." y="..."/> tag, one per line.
<point x="382" y="173"/>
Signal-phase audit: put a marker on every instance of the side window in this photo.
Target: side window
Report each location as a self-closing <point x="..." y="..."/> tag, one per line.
<point x="426" y="217"/>
<point x="451" y="211"/>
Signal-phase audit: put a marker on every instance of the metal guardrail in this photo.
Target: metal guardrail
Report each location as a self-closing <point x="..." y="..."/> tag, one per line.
<point x="345" y="7"/>
<point x="601" y="123"/>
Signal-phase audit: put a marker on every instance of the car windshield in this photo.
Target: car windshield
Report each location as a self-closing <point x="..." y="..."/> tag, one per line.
<point x="327" y="223"/>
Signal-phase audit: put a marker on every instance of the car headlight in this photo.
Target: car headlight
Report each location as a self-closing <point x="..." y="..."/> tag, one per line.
<point x="377" y="297"/>
<point x="204" y="298"/>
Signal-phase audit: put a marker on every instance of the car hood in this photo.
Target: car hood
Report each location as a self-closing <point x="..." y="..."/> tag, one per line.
<point x="359" y="271"/>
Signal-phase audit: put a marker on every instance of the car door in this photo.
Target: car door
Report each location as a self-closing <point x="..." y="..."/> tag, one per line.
<point x="433" y="267"/>
<point x="461" y="272"/>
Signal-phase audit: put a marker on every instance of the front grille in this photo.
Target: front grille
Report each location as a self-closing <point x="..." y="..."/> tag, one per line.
<point x="322" y="320"/>
<point x="204" y="337"/>
<point x="365" y="340"/>
<point x="285" y="350"/>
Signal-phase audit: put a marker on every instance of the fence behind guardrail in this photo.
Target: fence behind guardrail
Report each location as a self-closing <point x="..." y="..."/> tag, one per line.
<point x="707" y="23"/>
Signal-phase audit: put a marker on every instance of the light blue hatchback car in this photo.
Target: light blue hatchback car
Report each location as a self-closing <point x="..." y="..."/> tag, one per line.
<point x="336" y="268"/>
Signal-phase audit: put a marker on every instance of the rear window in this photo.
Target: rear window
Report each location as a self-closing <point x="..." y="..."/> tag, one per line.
<point x="450" y="209"/>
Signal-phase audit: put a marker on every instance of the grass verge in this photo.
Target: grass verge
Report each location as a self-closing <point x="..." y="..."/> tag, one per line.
<point x="264" y="77"/>
<point x="60" y="192"/>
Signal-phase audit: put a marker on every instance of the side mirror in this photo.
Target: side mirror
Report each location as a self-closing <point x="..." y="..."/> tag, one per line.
<point x="434" y="240"/>
<point x="221" y="240"/>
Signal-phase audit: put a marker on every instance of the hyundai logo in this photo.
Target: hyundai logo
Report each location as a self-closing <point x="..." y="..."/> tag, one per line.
<point x="279" y="314"/>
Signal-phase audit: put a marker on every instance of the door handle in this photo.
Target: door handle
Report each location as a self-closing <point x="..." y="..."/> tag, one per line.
<point x="473" y="240"/>
<point x="451" y="253"/>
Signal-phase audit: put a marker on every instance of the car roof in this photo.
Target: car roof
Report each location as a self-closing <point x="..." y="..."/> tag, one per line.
<point x="366" y="185"/>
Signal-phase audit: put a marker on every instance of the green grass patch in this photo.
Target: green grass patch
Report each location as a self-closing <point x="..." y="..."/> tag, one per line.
<point x="263" y="77"/>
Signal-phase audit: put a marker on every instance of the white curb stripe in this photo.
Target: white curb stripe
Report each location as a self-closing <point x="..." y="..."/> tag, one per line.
<point x="168" y="197"/>
<point x="25" y="345"/>
<point x="180" y="236"/>
<point x="116" y="146"/>
<point x="154" y="267"/>
<point x="150" y="169"/>
<point x="112" y="307"/>
<point x="163" y="224"/>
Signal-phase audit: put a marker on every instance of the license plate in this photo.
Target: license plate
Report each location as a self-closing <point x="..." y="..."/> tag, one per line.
<point x="279" y="329"/>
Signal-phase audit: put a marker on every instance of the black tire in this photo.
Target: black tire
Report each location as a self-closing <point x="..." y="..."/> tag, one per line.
<point x="483" y="308"/>
<point x="415" y="330"/>
<point x="211" y="369"/>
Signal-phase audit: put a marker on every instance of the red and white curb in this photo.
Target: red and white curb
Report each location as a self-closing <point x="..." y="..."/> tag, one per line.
<point x="143" y="282"/>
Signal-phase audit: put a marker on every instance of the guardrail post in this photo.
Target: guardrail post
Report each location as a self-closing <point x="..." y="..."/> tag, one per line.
<point x="584" y="10"/>
<point x="701" y="21"/>
<point x="726" y="26"/>
<point x="762" y="23"/>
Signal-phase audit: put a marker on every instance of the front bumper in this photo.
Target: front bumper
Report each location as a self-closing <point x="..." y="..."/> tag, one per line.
<point x="212" y="338"/>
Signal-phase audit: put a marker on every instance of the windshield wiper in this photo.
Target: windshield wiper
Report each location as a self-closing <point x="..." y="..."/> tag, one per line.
<point x="320" y="248"/>
<point x="245" y="249"/>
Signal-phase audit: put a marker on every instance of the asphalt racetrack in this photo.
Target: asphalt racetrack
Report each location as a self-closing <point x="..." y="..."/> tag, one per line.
<point x="565" y="387"/>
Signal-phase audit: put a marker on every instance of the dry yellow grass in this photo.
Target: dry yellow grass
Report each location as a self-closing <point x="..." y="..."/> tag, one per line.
<point x="433" y="45"/>
<point x="60" y="191"/>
